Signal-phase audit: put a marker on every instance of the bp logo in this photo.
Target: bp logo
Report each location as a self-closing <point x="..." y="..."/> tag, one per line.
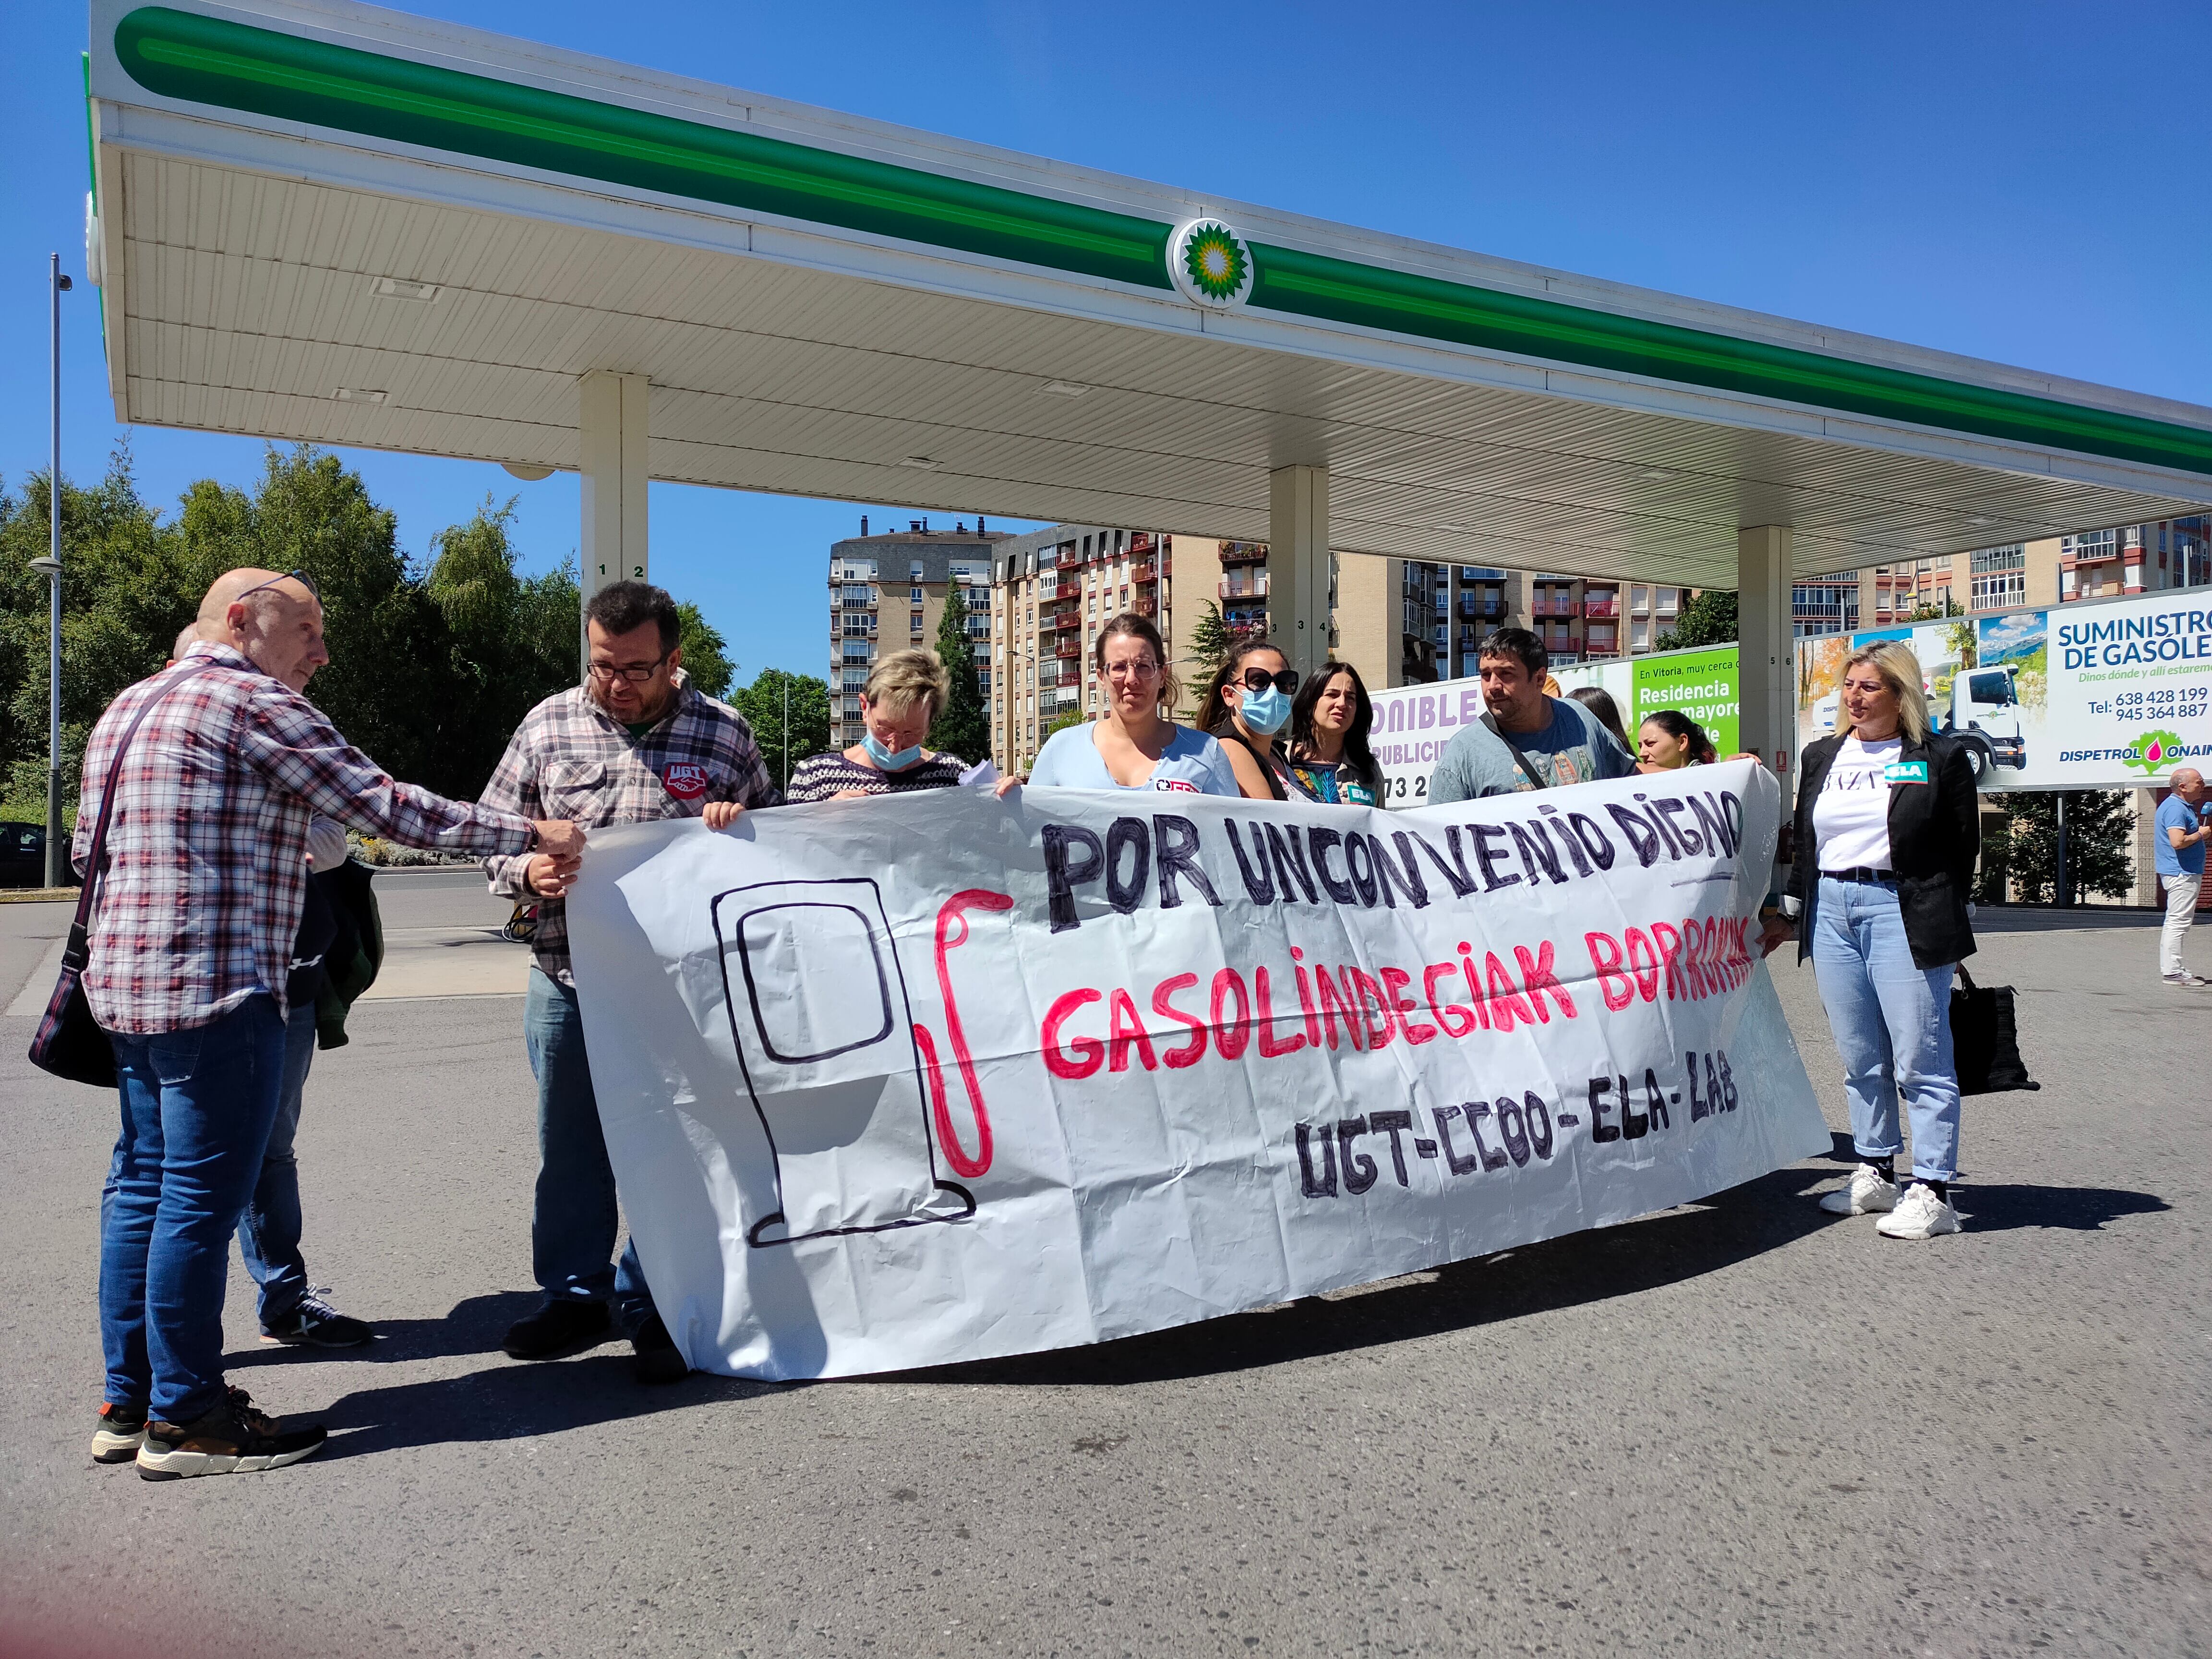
<point x="1210" y="265"/>
<point x="2153" y="751"/>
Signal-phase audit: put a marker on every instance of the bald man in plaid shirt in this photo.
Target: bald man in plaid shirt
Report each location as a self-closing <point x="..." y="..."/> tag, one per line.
<point x="197" y="902"/>
<point x="636" y="742"/>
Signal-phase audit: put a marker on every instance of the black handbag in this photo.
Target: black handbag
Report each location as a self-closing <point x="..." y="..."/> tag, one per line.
<point x="68" y="1042"/>
<point x="1985" y="1038"/>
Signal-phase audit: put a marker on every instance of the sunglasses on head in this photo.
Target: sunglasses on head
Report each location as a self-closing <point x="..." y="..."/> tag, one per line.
<point x="1259" y="679"/>
<point x="298" y="576"/>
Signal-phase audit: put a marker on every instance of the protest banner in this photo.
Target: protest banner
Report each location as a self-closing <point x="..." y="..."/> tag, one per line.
<point x="931" y="1078"/>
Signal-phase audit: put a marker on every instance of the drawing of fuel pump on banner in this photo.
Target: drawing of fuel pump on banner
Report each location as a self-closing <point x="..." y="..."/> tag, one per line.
<point x="847" y="1085"/>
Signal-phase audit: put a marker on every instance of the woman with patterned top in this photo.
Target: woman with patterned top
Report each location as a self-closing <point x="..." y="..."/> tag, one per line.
<point x="902" y="697"/>
<point x="1330" y="761"/>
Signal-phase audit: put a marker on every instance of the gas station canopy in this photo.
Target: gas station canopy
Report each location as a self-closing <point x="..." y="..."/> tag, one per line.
<point x="338" y="224"/>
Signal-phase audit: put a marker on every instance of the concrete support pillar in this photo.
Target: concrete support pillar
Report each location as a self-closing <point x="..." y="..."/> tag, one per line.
<point x="611" y="457"/>
<point x="1766" y="651"/>
<point x="1453" y="667"/>
<point x="1298" y="564"/>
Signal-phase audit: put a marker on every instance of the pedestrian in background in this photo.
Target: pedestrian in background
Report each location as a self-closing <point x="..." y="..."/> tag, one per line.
<point x="905" y="693"/>
<point x="1527" y="738"/>
<point x="218" y="765"/>
<point x="1330" y="761"/>
<point x="1668" y="739"/>
<point x="1887" y="831"/>
<point x="1600" y="703"/>
<point x="1133" y="745"/>
<point x="1248" y="707"/>
<point x="635" y="743"/>
<point x="2179" y="833"/>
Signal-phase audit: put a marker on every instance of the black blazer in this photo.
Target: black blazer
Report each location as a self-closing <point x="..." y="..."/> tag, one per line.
<point x="1934" y="838"/>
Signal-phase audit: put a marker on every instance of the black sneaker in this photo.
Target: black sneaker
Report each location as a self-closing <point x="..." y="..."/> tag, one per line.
<point x="315" y="1324"/>
<point x="556" y="1327"/>
<point x="658" y="1359"/>
<point x="232" y="1439"/>
<point x="121" y="1428"/>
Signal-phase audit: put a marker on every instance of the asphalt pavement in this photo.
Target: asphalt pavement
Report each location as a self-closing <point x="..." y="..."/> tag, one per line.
<point x="1739" y="1426"/>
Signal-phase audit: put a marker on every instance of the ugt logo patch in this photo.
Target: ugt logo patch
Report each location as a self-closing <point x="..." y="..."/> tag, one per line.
<point x="686" y="780"/>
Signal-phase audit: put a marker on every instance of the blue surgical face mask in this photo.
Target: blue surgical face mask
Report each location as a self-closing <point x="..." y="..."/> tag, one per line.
<point x="891" y="760"/>
<point x="1266" y="712"/>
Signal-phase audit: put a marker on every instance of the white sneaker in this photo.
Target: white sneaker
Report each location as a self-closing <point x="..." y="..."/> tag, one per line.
<point x="1868" y="1193"/>
<point x="2184" y="979"/>
<point x="1921" y="1214"/>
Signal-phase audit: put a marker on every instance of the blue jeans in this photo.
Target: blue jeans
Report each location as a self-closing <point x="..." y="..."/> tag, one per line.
<point x="269" y="1233"/>
<point x="1893" y="1026"/>
<point x="196" y="1108"/>
<point x="573" y="1222"/>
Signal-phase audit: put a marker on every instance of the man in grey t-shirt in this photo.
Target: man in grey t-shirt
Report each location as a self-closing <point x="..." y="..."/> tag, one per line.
<point x="1563" y="741"/>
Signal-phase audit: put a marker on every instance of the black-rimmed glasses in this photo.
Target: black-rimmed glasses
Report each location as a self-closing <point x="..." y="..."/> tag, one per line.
<point x="637" y="673"/>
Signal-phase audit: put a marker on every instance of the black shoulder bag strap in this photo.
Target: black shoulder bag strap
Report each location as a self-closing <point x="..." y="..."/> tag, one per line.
<point x="1266" y="767"/>
<point x="68" y="1042"/>
<point x="1527" y="767"/>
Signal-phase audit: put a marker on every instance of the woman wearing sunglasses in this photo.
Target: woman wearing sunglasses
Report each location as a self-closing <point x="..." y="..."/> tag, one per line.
<point x="1330" y="760"/>
<point x="1133" y="745"/>
<point x="1248" y="707"/>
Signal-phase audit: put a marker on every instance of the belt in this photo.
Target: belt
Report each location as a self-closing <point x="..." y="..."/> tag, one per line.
<point x="1860" y="874"/>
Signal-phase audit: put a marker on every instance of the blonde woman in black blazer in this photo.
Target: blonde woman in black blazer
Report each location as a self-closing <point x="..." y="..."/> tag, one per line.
<point x="1887" y="833"/>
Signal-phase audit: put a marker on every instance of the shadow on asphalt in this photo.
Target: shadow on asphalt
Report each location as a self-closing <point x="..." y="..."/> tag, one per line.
<point x="1666" y="1248"/>
<point x="2076" y="1209"/>
<point x="475" y="1326"/>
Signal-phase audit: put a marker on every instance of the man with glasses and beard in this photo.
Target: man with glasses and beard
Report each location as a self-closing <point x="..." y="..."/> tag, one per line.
<point x="636" y="742"/>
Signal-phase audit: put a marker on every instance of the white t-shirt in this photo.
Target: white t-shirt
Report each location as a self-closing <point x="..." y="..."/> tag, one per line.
<point x="1851" y="816"/>
<point x="1193" y="763"/>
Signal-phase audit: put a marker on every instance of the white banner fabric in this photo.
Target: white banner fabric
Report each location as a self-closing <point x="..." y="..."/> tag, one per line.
<point x="911" y="1080"/>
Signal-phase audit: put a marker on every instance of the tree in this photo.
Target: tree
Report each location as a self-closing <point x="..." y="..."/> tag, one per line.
<point x="2099" y="824"/>
<point x="1073" y="717"/>
<point x="962" y="727"/>
<point x="1932" y="611"/>
<point x="1707" y="619"/>
<point x="761" y="703"/>
<point x="1212" y="641"/>
<point x="706" y="652"/>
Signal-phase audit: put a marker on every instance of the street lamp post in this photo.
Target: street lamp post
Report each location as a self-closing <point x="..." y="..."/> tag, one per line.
<point x="50" y="566"/>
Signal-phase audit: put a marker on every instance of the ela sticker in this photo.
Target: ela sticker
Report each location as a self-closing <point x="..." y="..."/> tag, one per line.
<point x="1905" y="772"/>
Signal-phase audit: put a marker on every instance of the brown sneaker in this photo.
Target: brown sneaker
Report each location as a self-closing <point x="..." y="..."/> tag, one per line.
<point x="232" y="1439"/>
<point x="121" y="1428"/>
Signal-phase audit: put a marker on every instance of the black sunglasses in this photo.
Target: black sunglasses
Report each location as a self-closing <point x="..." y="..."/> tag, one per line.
<point x="1259" y="679"/>
<point x="298" y="576"/>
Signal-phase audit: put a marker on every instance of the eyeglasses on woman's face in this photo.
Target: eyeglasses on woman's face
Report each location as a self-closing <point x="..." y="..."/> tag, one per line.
<point x="1259" y="679"/>
<point x="1131" y="668"/>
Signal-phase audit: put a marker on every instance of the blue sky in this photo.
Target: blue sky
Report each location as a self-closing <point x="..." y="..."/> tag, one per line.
<point x="2019" y="182"/>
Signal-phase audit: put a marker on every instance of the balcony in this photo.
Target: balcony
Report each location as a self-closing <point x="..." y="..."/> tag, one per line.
<point x="1555" y="607"/>
<point x="1140" y="541"/>
<point x="1068" y="649"/>
<point x="1480" y="609"/>
<point x="1147" y="607"/>
<point x="1608" y="606"/>
<point x="1243" y="552"/>
<point x="1146" y="572"/>
<point x="1067" y="620"/>
<point x="1254" y="587"/>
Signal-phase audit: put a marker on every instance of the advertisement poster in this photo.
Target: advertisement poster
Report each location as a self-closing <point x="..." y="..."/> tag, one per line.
<point x="2102" y="694"/>
<point x="940" y="1077"/>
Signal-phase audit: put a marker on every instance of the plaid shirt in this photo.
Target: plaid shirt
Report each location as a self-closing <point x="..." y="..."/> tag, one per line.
<point x="207" y="843"/>
<point x="571" y="759"/>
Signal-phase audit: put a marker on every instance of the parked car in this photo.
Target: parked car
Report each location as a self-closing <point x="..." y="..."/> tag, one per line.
<point x="23" y="856"/>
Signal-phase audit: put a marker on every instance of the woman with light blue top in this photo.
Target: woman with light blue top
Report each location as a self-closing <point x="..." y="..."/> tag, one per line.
<point x="1133" y="745"/>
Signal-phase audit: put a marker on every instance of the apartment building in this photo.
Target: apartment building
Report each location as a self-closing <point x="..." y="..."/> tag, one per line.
<point x="1051" y="592"/>
<point x="889" y="591"/>
<point x="2135" y="558"/>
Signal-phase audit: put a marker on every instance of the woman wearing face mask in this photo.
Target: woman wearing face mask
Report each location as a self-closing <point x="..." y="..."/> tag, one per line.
<point x="1248" y="707"/>
<point x="1133" y="745"/>
<point x="902" y="698"/>
<point x="1330" y="761"/>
